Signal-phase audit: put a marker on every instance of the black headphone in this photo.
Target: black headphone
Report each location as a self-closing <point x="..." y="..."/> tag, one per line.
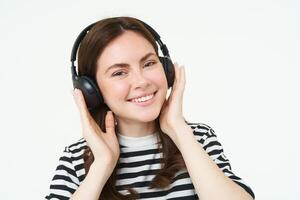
<point x="87" y="85"/>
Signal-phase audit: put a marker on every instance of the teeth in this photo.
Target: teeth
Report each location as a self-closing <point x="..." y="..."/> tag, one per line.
<point x="142" y="99"/>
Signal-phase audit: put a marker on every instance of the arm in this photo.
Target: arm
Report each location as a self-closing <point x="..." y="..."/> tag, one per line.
<point x="209" y="181"/>
<point x="105" y="148"/>
<point x="92" y="185"/>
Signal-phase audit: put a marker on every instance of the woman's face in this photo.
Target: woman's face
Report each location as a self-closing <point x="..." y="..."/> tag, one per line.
<point x="127" y="69"/>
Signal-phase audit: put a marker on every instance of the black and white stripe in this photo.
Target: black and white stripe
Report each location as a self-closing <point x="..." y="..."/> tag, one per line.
<point x="139" y="162"/>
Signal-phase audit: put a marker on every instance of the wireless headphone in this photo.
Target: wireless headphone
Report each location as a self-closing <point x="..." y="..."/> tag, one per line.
<point x="87" y="85"/>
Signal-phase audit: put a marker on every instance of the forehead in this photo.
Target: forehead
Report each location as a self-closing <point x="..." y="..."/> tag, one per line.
<point x="127" y="48"/>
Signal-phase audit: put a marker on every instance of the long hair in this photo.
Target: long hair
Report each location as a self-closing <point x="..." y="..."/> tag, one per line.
<point x="103" y="32"/>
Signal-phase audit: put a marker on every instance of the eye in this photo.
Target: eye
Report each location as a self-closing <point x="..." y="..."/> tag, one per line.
<point x="150" y="63"/>
<point x="119" y="73"/>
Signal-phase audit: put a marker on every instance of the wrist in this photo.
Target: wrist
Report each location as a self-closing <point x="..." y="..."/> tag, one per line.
<point x="183" y="134"/>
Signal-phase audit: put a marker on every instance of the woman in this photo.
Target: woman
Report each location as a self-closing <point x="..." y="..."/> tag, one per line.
<point x="142" y="148"/>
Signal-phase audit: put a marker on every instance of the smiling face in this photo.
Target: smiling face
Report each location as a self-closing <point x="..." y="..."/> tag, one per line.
<point x="127" y="69"/>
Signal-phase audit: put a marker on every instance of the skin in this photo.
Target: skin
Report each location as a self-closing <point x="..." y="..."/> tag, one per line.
<point x="136" y="78"/>
<point x="210" y="182"/>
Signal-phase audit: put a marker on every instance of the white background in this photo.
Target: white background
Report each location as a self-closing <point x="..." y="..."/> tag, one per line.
<point x="242" y="69"/>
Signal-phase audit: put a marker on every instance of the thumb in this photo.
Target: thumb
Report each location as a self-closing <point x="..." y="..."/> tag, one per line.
<point x="166" y="102"/>
<point x="109" y="122"/>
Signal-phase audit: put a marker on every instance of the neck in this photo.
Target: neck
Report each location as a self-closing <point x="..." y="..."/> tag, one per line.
<point x="135" y="128"/>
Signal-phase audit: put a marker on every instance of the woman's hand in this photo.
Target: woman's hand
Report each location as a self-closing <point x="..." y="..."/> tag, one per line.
<point x="171" y="112"/>
<point x="105" y="146"/>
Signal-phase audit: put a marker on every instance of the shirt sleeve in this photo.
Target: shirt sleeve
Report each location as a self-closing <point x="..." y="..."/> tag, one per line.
<point x="65" y="181"/>
<point x="207" y="137"/>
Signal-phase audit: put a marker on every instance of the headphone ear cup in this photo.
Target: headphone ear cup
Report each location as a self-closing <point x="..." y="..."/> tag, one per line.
<point x="90" y="90"/>
<point x="169" y="70"/>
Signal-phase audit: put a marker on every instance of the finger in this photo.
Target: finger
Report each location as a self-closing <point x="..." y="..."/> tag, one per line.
<point x="109" y="122"/>
<point x="176" y="75"/>
<point x="174" y="86"/>
<point x="81" y="105"/>
<point x="177" y="78"/>
<point x="164" y="105"/>
<point x="181" y="83"/>
<point x="177" y="91"/>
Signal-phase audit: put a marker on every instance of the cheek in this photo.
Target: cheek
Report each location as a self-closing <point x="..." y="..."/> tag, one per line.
<point x="159" y="79"/>
<point x="113" y="91"/>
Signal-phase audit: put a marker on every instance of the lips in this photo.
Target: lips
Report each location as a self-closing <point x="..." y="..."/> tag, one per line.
<point x="144" y="95"/>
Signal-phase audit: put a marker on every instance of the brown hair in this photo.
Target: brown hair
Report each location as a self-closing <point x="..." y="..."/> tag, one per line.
<point x="91" y="47"/>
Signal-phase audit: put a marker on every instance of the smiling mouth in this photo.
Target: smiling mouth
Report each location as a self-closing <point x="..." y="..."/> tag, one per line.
<point x="143" y="99"/>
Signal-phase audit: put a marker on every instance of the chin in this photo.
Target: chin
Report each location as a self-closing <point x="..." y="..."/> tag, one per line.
<point x="145" y="117"/>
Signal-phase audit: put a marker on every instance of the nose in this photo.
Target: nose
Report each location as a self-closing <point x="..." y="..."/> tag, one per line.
<point x="139" y="81"/>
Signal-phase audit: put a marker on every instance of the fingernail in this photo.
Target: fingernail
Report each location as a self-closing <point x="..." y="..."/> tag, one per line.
<point x="75" y="91"/>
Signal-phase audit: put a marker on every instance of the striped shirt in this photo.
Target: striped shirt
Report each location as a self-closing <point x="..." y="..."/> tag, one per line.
<point x="140" y="160"/>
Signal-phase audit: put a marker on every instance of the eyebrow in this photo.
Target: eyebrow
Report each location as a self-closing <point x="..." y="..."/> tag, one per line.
<point x="123" y="65"/>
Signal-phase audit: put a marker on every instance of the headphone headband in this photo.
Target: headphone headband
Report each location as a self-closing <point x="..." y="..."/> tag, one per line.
<point x="83" y="33"/>
<point x="78" y="41"/>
